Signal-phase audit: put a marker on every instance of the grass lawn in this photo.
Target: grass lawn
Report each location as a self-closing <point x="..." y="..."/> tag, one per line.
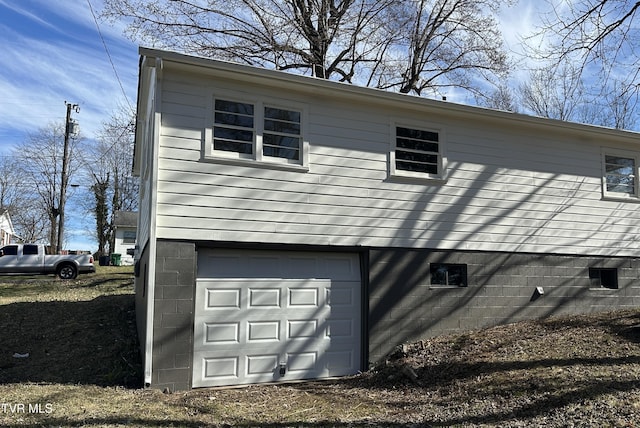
<point x="83" y="369"/>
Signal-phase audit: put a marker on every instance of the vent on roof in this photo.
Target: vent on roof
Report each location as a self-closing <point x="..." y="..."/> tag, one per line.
<point x="318" y="71"/>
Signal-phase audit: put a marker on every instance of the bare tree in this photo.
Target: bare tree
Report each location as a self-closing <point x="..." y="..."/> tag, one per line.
<point x="39" y="159"/>
<point x="597" y="30"/>
<point x="328" y="36"/>
<point x="558" y="93"/>
<point x="28" y="221"/>
<point x="601" y="38"/>
<point x="501" y="98"/>
<point x="409" y="46"/>
<point x="443" y="43"/>
<point x="619" y="105"/>
<point x="108" y="165"/>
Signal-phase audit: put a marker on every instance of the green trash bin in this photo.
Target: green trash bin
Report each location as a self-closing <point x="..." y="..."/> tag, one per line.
<point x="116" y="259"/>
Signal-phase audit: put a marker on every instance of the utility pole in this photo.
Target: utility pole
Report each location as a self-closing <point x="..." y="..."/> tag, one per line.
<point x="68" y="130"/>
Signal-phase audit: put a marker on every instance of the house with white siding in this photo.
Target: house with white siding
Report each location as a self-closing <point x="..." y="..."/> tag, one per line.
<point x="293" y="228"/>
<point x="7" y="232"/>
<point x="124" y="229"/>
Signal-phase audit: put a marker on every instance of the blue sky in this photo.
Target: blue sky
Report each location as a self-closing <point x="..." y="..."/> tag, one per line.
<point x="52" y="52"/>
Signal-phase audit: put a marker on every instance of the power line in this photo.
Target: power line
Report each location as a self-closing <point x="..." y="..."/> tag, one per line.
<point x="113" y="66"/>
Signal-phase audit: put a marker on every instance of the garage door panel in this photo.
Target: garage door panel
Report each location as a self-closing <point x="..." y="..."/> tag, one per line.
<point x="340" y="329"/>
<point x="302" y="329"/>
<point x="264" y="297"/>
<point x="223" y="298"/>
<point x="269" y="312"/>
<point x="302" y="362"/>
<point x="339" y="361"/>
<point x="225" y="369"/>
<point x="303" y="297"/>
<point x="263" y="331"/>
<point x="341" y="294"/>
<point x="220" y="333"/>
<point x="262" y="365"/>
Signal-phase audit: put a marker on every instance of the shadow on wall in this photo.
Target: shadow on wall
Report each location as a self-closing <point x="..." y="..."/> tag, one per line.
<point x="502" y="284"/>
<point x="502" y="288"/>
<point x="87" y="342"/>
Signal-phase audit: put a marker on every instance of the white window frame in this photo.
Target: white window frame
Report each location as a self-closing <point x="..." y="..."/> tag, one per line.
<point x="635" y="197"/>
<point x="257" y="158"/>
<point x="441" y="175"/>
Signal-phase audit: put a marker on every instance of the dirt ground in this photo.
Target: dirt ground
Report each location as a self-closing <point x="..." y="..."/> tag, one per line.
<point x="83" y="369"/>
<point x="563" y="372"/>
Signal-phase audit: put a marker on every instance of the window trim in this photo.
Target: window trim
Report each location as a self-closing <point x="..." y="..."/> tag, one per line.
<point x="394" y="172"/>
<point x="257" y="158"/>
<point x="616" y="196"/>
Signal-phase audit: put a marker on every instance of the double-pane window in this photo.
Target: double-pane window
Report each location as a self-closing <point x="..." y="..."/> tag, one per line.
<point x="257" y="131"/>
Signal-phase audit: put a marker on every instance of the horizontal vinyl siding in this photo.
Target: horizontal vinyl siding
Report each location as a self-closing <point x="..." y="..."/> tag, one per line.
<point x="507" y="189"/>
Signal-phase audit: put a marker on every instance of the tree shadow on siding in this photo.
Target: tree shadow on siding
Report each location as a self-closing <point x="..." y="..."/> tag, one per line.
<point x="402" y="300"/>
<point x="85" y="342"/>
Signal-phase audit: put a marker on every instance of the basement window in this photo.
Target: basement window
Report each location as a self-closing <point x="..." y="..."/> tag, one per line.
<point x="417" y="152"/>
<point x="448" y="274"/>
<point x="604" y="278"/>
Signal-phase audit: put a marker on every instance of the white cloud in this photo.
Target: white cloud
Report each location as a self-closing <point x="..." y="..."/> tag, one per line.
<point x="61" y="58"/>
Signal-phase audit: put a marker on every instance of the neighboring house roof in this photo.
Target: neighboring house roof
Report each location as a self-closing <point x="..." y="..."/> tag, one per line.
<point x="126" y="219"/>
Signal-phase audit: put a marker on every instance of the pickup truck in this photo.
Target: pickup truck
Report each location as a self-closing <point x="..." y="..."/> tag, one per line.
<point x="32" y="259"/>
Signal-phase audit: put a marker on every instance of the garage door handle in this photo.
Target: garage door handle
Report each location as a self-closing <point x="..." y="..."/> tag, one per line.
<point x="283" y="369"/>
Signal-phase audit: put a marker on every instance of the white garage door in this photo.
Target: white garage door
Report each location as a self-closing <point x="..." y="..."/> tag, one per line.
<point x="264" y="316"/>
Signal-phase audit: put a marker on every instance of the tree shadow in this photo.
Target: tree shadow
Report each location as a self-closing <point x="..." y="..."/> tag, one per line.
<point x="84" y="342"/>
<point x="122" y="279"/>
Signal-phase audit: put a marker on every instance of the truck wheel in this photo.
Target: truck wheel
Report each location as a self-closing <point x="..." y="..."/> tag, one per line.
<point x="67" y="271"/>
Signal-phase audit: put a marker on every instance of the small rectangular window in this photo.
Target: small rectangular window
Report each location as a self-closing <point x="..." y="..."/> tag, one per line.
<point x="604" y="278"/>
<point x="620" y="174"/>
<point x="282" y="133"/>
<point x="417" y="150"/>
<point x="448" y="274"/>
<point x="129" y="237"/>
<point x="233" y="129"/>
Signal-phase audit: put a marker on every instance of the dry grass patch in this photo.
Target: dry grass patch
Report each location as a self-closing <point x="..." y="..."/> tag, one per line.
<point x="83" y="369"/>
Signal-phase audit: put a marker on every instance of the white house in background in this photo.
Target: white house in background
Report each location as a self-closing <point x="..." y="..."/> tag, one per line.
<point x="125" y="225"/>
<point x="6" y="229"/>
<point x="292" y="227"/>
